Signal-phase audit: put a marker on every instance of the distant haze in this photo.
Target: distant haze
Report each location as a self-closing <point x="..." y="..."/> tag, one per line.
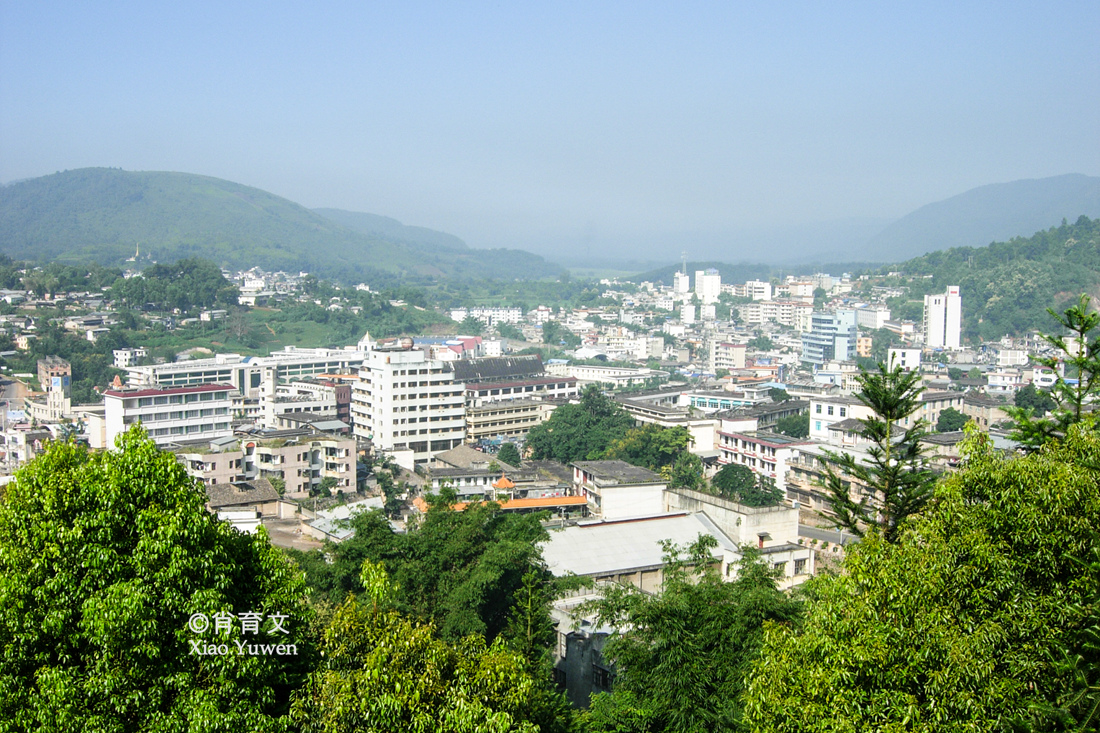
<point x="724" y="130"/>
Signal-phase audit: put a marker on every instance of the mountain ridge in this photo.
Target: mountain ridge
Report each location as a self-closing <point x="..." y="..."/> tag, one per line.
<point x="104" y="214"/>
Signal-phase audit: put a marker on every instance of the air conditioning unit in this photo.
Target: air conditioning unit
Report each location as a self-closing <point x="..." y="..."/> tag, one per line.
<point x="796" y="503"/>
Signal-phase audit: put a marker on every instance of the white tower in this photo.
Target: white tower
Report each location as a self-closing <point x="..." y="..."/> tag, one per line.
<point x="943" y="319"/>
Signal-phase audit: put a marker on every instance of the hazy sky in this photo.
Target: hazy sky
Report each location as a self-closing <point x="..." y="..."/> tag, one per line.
<point x="535" y="124"/>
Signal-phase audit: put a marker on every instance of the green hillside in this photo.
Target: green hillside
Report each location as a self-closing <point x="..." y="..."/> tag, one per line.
<point x="1007" y="286"/>
<point x="102" y="215"/>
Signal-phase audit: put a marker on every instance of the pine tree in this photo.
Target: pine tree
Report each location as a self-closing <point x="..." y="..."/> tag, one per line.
<point x="897" y="473"/>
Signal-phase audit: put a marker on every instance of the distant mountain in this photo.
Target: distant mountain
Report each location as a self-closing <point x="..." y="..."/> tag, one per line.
<point x="982" y="215"/>
<point x="104" y="215"/>
<point x="393" y="230"/>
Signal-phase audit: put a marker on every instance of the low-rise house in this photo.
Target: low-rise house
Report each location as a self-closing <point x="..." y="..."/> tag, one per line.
<point x="617" y="490"/>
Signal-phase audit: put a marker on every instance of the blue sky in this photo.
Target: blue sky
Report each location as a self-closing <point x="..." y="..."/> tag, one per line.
<point x="609" y="127"/>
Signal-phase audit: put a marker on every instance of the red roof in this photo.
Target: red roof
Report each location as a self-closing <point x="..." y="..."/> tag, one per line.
<point x="160" y="391"/>
<point x="546" y="501"/>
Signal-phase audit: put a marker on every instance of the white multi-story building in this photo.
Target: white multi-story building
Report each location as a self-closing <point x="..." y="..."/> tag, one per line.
<point x="245" y="374"/>
<point x="708" y="285"/>
<point x="405" y="401"/>
<point x="943" y="319"/>
<point x="687" y="313"/>
<point x="128" y="357"/>
<point x="725" y="355"/>
<point x="681" y="283"/>
<point x="170" y="414"/>
<point x="907" y="359"/>
<point x="490" y="316"/>
<point x="755" y="289"/>
<point x="872" y="317"/>
<point x="793" y="313"/>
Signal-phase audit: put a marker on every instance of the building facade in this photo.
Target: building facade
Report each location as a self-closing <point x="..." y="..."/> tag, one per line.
<point x="170" y="414"/>
<point x="943" y="319"/>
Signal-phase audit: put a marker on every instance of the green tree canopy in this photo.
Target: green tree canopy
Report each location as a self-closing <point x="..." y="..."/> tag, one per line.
<point x="1030" y="397"/>
<point x="104" y="557"/>
<point x="456" y="569"/>
<point x="650" y="446"/>
<point x="580" y="432"/>
<point x="383" y="671"/>
<point x="951" y="420"/>
<point x="795" y="426"/>
<point x="509" y="454"/>
<point x="955" y="626"/>
<point x="683" y="662"/>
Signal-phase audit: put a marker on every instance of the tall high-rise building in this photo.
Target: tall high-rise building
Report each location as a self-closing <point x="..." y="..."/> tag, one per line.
<point x="943" y="319"/>
<point x="832" y="336"/>
<point x="406" y="401"/>
<point x="681" y="283"/>
<point x="708" y="285"/>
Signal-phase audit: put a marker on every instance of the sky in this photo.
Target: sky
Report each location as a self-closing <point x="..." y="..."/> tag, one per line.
<point x="610" y="129"/>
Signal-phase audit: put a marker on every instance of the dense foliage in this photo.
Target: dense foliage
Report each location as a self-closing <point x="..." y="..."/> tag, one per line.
<point x="794" y="426"/>
<point x="184" y="284"/>
<point x="509" y="454"/>
<point x="650" y="446"/>
<point x="580" y="432"/>
<point x="683" y="656"/>
<point x="383" y="671"/>
<point x="104" y="557"/>
<point x="950" y="420"/>
<point x="957" y="625"/>
<point x="740" y="483"/>
<point x="456" y="569"/>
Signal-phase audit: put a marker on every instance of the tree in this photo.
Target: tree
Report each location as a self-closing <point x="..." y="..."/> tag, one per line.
<point x="683" y="656"/>
<point x="508" y="331"/>
<point x="779" y="395"/>
<point x="580" y="432"/>
<point x="685" y="472"/>
<point x="955" y="374"/>
<point x="105" y="559"/>
<point x="509" y="454"/>
<point x="761" y="343"/>
<point x="1081" y="353"/>
<point x="471" y="326"/>
<point x="795" y="426"/>
<point x="951" y="420"/>
<point x="383" y="671"/>
<point x="650" y="446"/>
<point x="957" y="625"/>
<point x="896" y="473"/>
<point x="732" y="479"/>
<point x="456" y="569"/>
<point x="1029" y="397"/>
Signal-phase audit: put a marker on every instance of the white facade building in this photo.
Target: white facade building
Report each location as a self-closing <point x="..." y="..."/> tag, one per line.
<point x="943" y="319"/>
<point x="708" y="285"/>
<point x="171" y="414"/>
<point x="907" y="359"/>
<point x="404" y="401"/>
<point x="681" y="283"/>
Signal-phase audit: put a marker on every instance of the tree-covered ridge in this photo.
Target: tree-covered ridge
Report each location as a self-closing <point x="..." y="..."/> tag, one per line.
<point x="103" y="215"/>
<point x="1007" y="286"/>
<point x="184" y="284"/>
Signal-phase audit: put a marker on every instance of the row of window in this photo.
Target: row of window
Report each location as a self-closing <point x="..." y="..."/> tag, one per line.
<point x="189" y="429"/>
<point x="843" y="410"/>
<point x="178" y="399"/>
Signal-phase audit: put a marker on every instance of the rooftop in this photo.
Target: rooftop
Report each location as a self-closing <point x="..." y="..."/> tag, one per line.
<point x="618" y="472"/>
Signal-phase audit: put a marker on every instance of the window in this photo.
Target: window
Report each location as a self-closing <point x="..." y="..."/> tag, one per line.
<point x="601" y="677"/>
<point x="800" y="566"/>
<point x="817" y="409"/>
<point x="844" y="412"/>
<point x="830" y="409"/>
<point x="817" y="425"/>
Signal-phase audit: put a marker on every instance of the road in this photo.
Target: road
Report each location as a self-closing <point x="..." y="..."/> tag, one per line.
<point x="826" y="535"/>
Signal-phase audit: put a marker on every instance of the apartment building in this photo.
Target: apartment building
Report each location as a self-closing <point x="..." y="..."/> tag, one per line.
<point x="766" y="454"/>
<point x="405" y="401"/>
<point x="170" y="414"/>
<point x="726" y="355"/>
<point x="708" y="285"/>
<point x="943" y="319"/>
<point x="246" y="374"/>
<point x="832" y="336"/>
<point x="617" y="490"/>
<point x="502" y="419"/>
<point x="302" y="459"/>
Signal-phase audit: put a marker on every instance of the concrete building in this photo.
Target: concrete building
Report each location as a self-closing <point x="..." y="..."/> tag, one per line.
<point x="907" y="359"/>
<point x="125" y="358"/>
<point x="170" y="414"/>
<point x="832" y="337"/>
<point x="617" y="490"/>
<point x="405" y="402"/>
<point x="726" y="355"/>
<point x="766" y="454"/>
<point x="502" y="419"/>
<point x="708" y="285"/>
<point x="824" y="411"/>
<point x="301" y="459"/>
<point x="943" y="319"/>
<point x="245" y="374"/>
<point x="681" y="284"/>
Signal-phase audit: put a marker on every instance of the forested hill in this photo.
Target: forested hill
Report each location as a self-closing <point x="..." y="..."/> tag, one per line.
<point x="1007" y="286"/>
<point x="102" y="215"/>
